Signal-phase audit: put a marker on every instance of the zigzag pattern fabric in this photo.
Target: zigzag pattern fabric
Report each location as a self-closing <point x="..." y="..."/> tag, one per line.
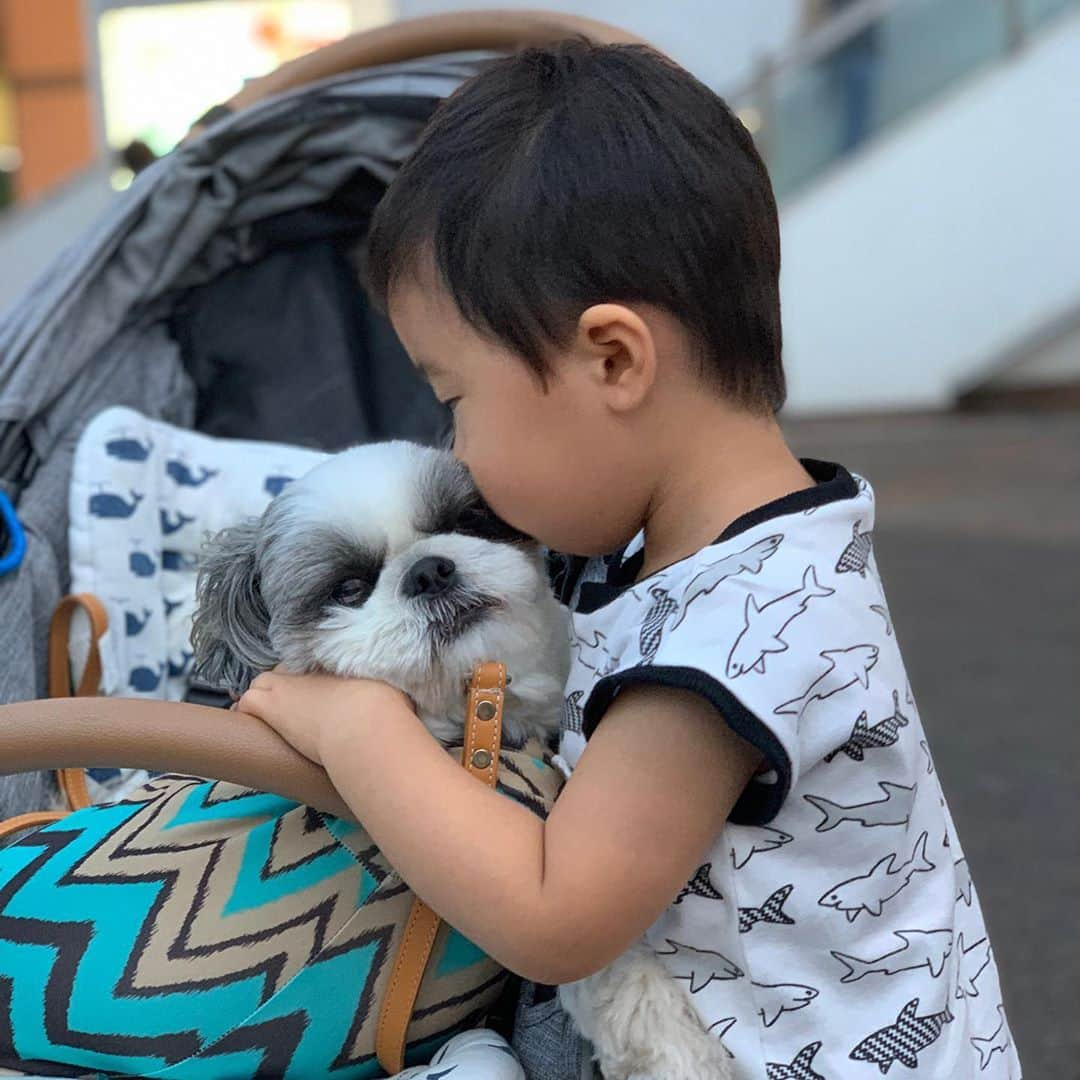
<point x="202" y="931"/>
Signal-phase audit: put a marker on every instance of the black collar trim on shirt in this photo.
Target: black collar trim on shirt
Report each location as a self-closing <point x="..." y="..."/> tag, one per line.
<point x="833" y="484"/>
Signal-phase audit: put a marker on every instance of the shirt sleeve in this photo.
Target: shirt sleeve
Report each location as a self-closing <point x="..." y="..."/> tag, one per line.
<point x="751" y="634"/>
<point x="765" y="794"/>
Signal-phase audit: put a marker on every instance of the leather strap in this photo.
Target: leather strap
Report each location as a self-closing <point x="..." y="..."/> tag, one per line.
<point x="73" y="781"/>
<point x="405" y="978"/>
<point x="480" y="756"/>
<point x="60" y="680"/>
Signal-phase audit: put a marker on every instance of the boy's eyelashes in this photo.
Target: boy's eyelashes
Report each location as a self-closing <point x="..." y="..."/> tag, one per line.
<point x="451" y="403"/>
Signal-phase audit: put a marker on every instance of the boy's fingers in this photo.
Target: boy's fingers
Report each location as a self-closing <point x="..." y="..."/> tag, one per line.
<point x="251" y="700"/>
<point x="261" y="681"/>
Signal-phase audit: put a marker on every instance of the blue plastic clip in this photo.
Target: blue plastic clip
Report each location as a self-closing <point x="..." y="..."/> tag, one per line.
<point x="10" y="559"/>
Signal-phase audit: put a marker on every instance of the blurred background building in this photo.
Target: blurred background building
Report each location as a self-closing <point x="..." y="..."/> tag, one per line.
<point x="938" y="127"/>
<point x="926" y="159"/>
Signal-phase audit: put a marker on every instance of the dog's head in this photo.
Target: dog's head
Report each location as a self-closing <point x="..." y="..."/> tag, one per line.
<point x="384" y="562"/>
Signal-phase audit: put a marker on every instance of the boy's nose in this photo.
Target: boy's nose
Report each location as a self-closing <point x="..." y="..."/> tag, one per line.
<point x="429" y="576"/>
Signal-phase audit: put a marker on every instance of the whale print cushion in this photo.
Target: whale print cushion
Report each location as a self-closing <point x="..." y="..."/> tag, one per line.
<point x="144" y="495"/>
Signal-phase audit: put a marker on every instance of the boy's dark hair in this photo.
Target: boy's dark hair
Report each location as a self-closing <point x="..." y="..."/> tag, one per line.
<point x="579" y="174"/>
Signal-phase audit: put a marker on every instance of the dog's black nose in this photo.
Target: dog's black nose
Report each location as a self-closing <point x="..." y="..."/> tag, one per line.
<point x="429" y="576"/>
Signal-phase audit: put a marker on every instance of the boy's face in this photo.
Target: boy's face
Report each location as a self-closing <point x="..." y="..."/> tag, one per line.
<point x="549" y="463"/>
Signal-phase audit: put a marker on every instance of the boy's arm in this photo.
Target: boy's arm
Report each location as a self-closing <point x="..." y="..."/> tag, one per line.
<point x="552" y="901"/>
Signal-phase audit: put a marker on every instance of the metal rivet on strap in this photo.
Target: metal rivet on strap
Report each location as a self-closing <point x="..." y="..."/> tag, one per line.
<point x="485" y="710"/>
<point x="481" y="759"/>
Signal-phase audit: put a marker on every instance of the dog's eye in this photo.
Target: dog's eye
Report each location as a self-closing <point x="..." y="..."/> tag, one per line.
<point x="352" y="592"/>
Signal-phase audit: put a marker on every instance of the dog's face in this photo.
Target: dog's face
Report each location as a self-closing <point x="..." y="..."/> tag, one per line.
<point x="384" y="562"/>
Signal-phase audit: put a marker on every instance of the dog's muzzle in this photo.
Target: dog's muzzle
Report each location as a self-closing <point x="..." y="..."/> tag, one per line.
<point x="430" y="576"/>
<point x="451" y="607"/>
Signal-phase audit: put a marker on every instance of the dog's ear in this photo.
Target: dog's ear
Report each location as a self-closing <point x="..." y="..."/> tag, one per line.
<point x="230" y="630"/>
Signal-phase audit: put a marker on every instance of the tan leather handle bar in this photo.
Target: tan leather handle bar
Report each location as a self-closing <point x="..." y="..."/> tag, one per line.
<point x="430" y="35"/>
<point x="161" y="736"/>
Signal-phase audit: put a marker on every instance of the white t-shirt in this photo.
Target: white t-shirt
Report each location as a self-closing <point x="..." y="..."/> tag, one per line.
<point x="833" y="931"/>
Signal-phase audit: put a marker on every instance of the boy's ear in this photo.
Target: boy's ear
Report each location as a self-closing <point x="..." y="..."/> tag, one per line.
<point x="230" y="630"/>
<point x="621" y="346"/>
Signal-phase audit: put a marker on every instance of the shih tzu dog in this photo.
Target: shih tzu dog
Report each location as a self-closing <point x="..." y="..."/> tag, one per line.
<point x="384" y="562"/>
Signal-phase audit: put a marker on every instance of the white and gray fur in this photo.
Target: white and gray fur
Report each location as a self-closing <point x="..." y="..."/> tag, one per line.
<point x="327" y="579"/>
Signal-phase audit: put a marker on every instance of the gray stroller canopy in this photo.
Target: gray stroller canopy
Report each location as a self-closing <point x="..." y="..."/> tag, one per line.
<point x="210" y="295"/>
<point x="189" y="218"/>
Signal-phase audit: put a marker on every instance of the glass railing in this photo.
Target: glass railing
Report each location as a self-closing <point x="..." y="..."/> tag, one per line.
<point x="871" y="64"/>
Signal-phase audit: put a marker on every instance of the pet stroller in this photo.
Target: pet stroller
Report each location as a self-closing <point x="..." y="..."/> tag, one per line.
<point x="221" y="294"/>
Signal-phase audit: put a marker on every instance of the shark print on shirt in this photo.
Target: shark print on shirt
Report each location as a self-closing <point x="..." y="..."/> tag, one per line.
<point x="893" y="809"/>
<point x="799" y="1068"/>
<point x="871" y="891"/>
<point x="699" y="885"/>
<point x="748" y="561"/>
<point x="763" y="626"/>
<point x="698" y="967"/>
<point x="594" y="654"/>
<point x="774" y="1001"/>
<point x="997" y="1042"/>
<point x="651" y="580"/>
<point x="771" y="911"/>
<point x="763" y="838"/>
<point x="929" y="760"/>
<point x="828" y="903"/>
<point x="974" y="960"/>
<point x="963" y="881"/>
<point x="652" y="626"/>
<point x="722" y="1027"/>
<point x="921" y="948"/>
<point x="883" y="611"/>
<point x="846" y="668"/>
<point x="882" y="734"/>
<point x="856" y="556"/>
<point x="573" y="714"/>
<point x="904" y="1040"/>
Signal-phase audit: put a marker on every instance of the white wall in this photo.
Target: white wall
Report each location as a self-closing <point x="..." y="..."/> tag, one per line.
<point x="718" y="40"/>
<point x="910" y="271"/>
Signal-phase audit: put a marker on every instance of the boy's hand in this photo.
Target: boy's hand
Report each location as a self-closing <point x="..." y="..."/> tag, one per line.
<point x="308" y="711"/>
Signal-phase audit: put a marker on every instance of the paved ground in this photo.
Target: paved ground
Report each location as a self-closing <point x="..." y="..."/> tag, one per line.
<point x="978" y="541"/>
